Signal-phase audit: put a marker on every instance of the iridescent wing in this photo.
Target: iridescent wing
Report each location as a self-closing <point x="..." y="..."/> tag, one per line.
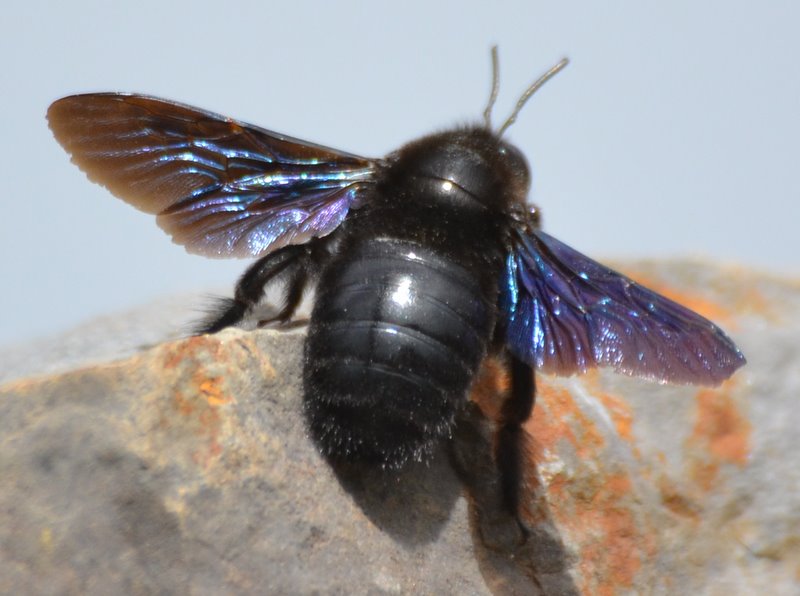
<point x="219" y="187"/>
<point x="566" y="313"/>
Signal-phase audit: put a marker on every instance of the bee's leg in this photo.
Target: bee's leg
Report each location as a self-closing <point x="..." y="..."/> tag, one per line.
<point x="511" y="439"/>
<point x="489" y="457"/>
<point x="294" y="264"/>
<point x="293" y="295"/>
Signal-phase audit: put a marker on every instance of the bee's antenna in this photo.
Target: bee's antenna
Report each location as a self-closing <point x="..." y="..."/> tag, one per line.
<point x="487" y="113"/>
<point x="530" y="91"/>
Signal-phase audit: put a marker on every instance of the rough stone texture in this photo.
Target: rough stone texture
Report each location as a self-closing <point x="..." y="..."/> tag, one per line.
<point x="185" y="468"/>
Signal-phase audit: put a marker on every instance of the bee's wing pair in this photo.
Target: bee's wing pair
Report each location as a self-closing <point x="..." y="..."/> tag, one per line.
<point x="223" y="188"/>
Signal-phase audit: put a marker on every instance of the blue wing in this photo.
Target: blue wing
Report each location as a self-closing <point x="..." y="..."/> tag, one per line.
<point x="566" y="313"/>
<point x="221" y="188"/>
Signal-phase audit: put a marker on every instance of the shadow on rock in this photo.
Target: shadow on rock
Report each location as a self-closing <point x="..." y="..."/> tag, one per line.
<point x="411" y="505"/>
<point x="512" y="559"/>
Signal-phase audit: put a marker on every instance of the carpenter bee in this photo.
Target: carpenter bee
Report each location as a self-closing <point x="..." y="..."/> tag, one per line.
<point x="424" y="262"/>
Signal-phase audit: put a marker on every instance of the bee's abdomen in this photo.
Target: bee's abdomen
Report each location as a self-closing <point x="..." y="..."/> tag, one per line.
<point x="395" y="338"/>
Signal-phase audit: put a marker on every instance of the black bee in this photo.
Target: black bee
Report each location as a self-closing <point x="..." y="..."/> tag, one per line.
<point x="425" y="262"/>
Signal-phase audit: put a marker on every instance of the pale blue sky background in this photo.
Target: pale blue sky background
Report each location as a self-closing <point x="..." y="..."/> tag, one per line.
<point x="675" y="131"/>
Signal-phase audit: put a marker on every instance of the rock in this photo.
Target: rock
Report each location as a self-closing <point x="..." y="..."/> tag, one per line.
<point x="105" y="338"/>
<point x="186" y="468"/>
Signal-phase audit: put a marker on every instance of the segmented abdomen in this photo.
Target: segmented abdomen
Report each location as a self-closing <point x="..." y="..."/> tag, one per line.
<point x="396" y="335"/>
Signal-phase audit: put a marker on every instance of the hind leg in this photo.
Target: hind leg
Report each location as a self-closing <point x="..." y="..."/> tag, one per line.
<point x="510" y="438"/>
<point x="489" y="456"/>
<point x="295" y="265"/>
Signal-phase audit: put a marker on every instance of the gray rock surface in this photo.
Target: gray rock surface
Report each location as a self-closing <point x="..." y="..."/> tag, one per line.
<point x="185" y="467"/>
<point x="105" y="338"/>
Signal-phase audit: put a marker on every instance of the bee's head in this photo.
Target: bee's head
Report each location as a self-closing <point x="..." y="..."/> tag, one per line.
<point x="470" y="168"/>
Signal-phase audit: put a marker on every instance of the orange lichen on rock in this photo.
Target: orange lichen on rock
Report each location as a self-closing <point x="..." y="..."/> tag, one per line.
<point x="615" y="554"/>
<point x="600" y="517"/>
<point x="559" y="417"/>
<point x="722" y="426"/>
<point x="188" y="349"/>
<point x="620" y="413"/>
<point x="203" y="420"/>
<point x="202" y="394"/>
<point x="618" y="410"/>
<point x="721" y="435"/>
<point x="211" y="389"/>
<point x="592" y="500"/>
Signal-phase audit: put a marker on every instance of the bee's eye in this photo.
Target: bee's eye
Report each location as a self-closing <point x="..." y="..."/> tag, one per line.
<point x="516" y="163"/>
